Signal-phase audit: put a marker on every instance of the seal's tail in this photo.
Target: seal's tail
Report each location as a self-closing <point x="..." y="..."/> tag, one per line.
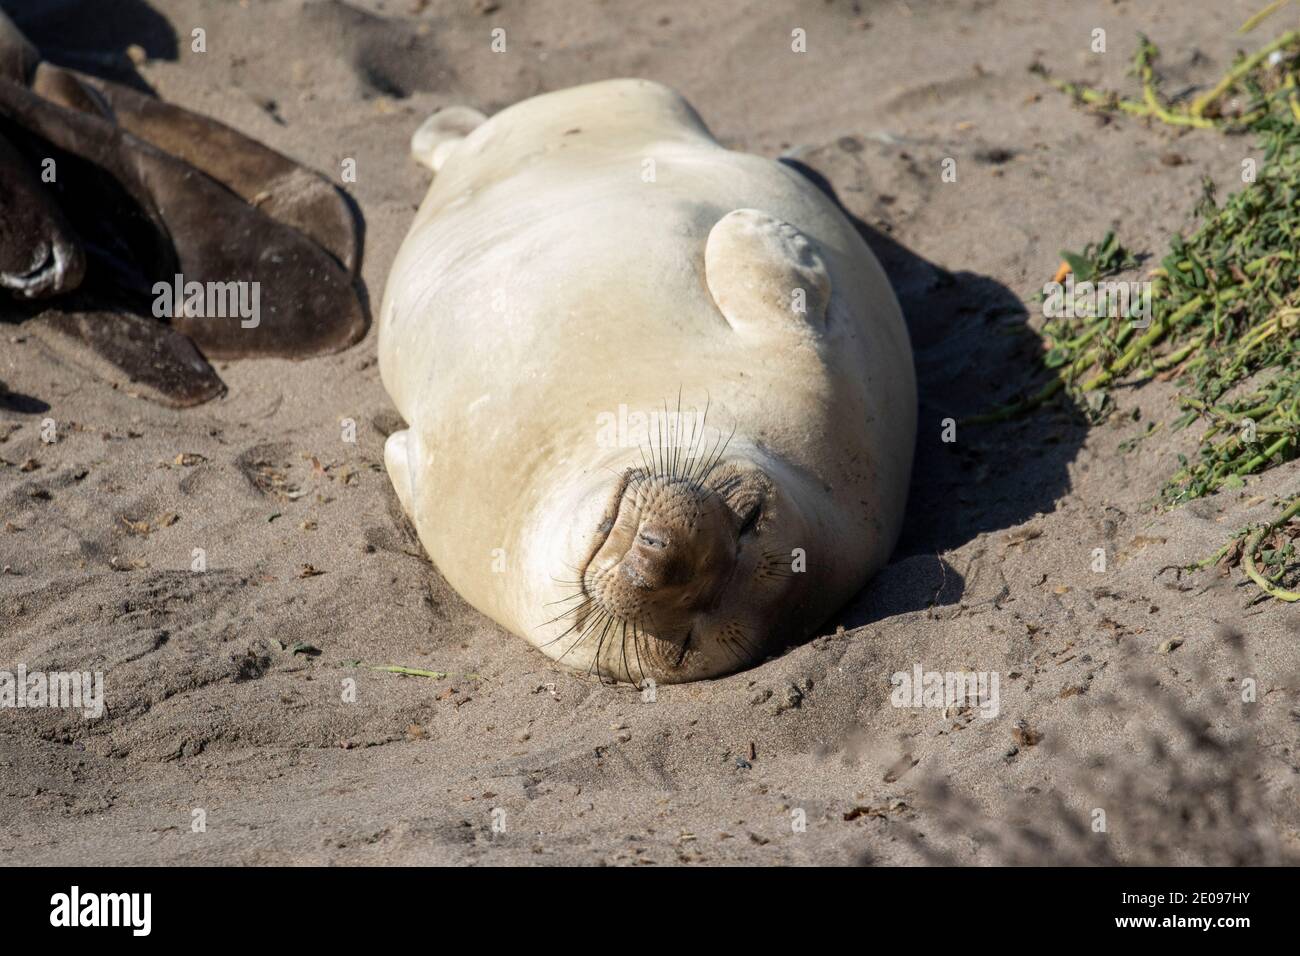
<point x="439" y="135"/>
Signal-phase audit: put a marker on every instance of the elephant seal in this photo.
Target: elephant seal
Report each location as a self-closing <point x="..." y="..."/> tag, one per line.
<point x="582" y="259"/>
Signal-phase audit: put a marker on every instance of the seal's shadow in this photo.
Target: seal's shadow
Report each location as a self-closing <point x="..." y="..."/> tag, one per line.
<point x="973" y="349"/>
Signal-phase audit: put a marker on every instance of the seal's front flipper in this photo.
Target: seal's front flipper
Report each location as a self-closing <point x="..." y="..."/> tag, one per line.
<point x="439" y="135"/>
<point x="765" y="275"/>
<point x="397" y="459"/>
<point x="140" y="356"/>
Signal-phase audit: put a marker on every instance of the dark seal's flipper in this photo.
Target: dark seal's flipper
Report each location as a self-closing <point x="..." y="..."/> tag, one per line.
<point x="39" y="254"/>
<point x="299" y="299"/>
<point x="140" y="356"/>
<point x="272" y="182"/>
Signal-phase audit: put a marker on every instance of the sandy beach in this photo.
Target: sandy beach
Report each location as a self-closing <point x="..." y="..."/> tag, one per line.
<point x="227" y="692"/>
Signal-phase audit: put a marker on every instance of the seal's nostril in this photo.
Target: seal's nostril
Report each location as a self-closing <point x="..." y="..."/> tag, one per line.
<point x="652" y="540"/>
<point x="648" y="563"/>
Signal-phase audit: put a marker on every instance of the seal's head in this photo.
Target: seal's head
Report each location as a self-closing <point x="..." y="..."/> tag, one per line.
<point x="691" y="570"/>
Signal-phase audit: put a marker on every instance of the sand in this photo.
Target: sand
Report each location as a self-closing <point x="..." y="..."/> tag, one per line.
<point x="225" y="690"/>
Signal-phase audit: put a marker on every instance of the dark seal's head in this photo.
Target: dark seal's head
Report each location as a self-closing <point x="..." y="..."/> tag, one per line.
<point x="692" y="571"/>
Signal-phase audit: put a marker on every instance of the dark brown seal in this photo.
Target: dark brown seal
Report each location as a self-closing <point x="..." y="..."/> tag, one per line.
<point x="116" y="203"/>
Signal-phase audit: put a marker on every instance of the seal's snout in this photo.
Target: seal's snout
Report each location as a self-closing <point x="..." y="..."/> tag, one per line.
<point x="689" y="574"/>
<point x="648" y="564"/>
<point x="658" y="558"/>
<point x="668" y="552"/>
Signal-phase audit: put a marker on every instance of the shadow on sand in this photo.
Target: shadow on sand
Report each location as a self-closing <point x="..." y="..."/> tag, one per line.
<point x="81" y="34"/>
<point x="970" y="341"/>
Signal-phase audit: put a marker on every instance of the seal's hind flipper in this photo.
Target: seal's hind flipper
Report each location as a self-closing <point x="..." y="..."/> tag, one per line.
<point x="140" y="356"/>
<point x="764" y="274"/>
<point x="441" y="133"/>
<point x="397" y="462"/>
<point x="275" y="184"/>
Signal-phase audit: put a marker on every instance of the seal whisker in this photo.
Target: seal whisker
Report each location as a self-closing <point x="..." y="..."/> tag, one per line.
<point x="627" y="673"/>
<point x="716" y="453"/>
<point x="588" y="628"/>
<point x="725" y="445"/>
<point x="686" y="644"/>
<point x="659" y="429"/>
<point x="725" y="643"/>
<point x="670" y="451"/>
<point x="580" y="623"/>
<point x="636" y="649"/>
<point x="577" y="583"/>
<point x="600" y="644"/>
<point x="644" y="462"/>
<point x="704" y="421"/>
<point x="576" y="609"/>
<point x="575" y="612"/>
<point x="698" y="438"/>
<point x="737" y="649"/>
<point x="677" y="431"/>
<point x="738" y="635"/>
